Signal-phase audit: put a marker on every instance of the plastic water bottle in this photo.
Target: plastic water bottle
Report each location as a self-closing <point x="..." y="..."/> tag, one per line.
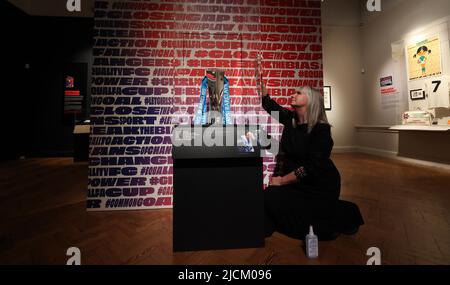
<point x="312" y="244"/>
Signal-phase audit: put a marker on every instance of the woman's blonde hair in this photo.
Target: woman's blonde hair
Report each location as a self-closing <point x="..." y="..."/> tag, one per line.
<point x="315" y="110"/>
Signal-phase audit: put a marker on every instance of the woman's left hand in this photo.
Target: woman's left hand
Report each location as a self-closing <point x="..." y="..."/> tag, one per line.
<point x="276" y="181"/>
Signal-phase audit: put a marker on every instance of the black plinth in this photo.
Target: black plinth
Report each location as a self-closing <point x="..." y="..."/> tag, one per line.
<point x="218" y="196"/>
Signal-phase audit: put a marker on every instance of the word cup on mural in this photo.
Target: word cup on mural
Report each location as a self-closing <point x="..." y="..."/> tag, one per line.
<point x="73" y="5"/>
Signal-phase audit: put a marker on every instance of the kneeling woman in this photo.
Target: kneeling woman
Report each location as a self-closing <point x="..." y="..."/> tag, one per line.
<point x="305" y="187"/>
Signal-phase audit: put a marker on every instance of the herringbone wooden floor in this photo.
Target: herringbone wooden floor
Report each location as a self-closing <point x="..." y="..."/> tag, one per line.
<point x="42" y="213"/>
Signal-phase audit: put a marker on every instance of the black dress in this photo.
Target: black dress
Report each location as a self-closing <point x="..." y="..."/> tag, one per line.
<point x="314" y="198"/>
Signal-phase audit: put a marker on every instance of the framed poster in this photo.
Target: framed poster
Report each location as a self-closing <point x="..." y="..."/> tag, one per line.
<point x="327" y="97"/>
<point x="386" y="81"/>
<point x="424" y="58"/>
<point x="417" y="94"/>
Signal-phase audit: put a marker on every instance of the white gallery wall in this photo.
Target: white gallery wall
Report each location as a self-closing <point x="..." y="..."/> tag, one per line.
<point x="378" y="31"/>
<point x="351" y="46"/>
<point x="398" y="19"/>
<point x="342" y="62"/>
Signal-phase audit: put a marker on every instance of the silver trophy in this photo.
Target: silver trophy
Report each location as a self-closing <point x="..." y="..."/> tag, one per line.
<point x="214" y="106"/>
